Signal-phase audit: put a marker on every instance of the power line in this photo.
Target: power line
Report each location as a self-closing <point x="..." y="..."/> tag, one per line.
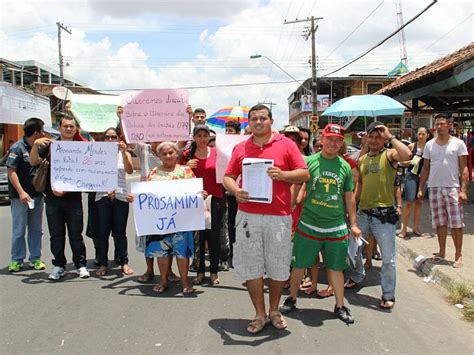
<point x="208" y="86"/>
<point x="384" y="40"/>
<point x="355" y="29"/>
<point x="444" y="35"/>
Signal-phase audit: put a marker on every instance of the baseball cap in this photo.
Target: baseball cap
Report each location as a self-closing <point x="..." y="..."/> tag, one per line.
<point x="373" y="126"/>
<point x="333" y="130"/>
<point x="201" y="127"/>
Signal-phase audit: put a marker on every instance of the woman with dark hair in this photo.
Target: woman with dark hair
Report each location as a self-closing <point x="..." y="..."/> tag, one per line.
<point x="112" y="210"/>
<point x="412" y="181"/>
<point x="305" y="139"/>
<point x="202" y="160"/>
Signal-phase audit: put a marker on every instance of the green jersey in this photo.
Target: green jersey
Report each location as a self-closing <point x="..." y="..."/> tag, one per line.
<point x="323" y="211"/>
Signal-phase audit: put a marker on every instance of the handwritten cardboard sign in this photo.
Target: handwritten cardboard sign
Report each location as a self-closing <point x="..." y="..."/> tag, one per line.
<point x="84" y="166"/>
<point x="96" y="113"/>
<point x="155" y="115"/>
<point x="16" y="106"/>
<point x="225" y="144"/>
<point x="168" y="206"/>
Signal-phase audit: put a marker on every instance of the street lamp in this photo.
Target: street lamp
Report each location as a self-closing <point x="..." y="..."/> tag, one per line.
<point x="256" y="56"/>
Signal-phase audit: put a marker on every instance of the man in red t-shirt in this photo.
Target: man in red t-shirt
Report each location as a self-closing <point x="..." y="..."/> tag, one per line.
<point x="263" y="230"/>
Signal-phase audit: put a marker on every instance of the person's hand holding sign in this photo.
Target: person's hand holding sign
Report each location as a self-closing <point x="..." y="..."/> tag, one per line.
<point x="192" y="163"/>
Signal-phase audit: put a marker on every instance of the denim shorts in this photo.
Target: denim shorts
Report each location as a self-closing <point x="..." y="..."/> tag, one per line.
<point x="411" y="184"/>
<point x="180" y="244"/>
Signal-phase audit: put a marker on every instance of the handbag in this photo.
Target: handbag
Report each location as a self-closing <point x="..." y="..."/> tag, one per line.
<point x="39" y="181"/>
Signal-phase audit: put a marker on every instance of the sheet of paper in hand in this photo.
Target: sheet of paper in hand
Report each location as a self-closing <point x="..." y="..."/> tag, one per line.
<point x="255" y="180"/>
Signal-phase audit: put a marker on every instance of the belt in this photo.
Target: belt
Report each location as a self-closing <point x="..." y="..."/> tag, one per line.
<point x="377" y="211"/>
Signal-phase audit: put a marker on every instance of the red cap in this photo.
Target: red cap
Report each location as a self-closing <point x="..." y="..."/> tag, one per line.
<point x="333" y="130"/>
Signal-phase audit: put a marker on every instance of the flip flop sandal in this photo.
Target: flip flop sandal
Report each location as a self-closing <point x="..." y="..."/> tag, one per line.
<point x="101" y="271"/>
<point x="418" y="234"/>
<point x="199" y="279"/>
<point x="257" y="324"/>
<point x="127" y="270"/>
<point x="277" y="320"/>
<point x="349" y="284"/>
<point x="306" y="282"/>
<point x="325" y="294"/>
<point x="159" y="289"/>
<point x="402" y="235"/>
<point x="146" y="278"/>
<point x="387" y="304"/>
<point x="435" y="259"/>
<point x="310" y="291"/>
<point x="188" y="291"/>
<point x="458" y="264"/>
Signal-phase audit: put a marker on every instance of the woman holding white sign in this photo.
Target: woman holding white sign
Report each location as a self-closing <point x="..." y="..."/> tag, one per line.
<point x="180" y="244"/>
<point x="202" y="159"/>
<point x="112" y="210"/>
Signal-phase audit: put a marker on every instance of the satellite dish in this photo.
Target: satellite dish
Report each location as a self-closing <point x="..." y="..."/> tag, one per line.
<point x="62" y="93"/>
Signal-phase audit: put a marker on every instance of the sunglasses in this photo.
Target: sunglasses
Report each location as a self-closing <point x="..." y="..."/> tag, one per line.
<point x="334" y="129"/>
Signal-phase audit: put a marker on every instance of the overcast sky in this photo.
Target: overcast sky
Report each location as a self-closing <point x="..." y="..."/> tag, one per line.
<point x="125" y="44"/>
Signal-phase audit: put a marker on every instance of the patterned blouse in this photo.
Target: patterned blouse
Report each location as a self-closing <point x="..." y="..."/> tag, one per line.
<point x="179" y="172"/>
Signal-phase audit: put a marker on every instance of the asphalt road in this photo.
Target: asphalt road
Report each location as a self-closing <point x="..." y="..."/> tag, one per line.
<point x="115" y="314"/>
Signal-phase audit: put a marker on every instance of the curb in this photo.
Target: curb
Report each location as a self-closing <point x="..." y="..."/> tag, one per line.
<point x="428" y="269"/>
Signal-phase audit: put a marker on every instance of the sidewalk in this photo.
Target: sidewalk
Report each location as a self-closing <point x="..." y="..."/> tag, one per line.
<point x="443" y="273"/>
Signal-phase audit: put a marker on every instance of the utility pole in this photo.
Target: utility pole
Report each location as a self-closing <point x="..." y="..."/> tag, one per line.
<point x="311" y="32"/>
<point x="268" y="103"/>
<point x="61" y="63"/>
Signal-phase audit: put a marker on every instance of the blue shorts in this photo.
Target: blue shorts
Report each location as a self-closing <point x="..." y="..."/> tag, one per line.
<point x="180" y="244"/>
<point x="411" y="184"/>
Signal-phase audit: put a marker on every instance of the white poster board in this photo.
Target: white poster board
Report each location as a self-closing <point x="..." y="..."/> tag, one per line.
<point x="84" y="166"/>
<point x="168" y="206"/>
<point x="225" y="144"/>
<point x="16" y="106"/>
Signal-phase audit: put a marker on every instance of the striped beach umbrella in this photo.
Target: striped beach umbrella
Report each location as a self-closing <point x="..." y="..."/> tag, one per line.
<point x="229" y="113"/>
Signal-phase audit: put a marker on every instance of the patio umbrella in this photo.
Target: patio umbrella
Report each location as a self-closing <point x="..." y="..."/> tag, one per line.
<point x="365" y="105"/>
<point x="229" y="113"/>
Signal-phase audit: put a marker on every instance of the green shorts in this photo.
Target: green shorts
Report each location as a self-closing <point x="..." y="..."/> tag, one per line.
<point x="306" y="250"/>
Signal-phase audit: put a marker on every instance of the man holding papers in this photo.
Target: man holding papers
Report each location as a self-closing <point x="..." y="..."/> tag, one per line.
<point x="263" y="221"/>
<point x="322" y="226"/>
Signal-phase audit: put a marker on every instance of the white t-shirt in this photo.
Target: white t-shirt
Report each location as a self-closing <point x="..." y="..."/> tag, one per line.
<point x="444" y="162"/>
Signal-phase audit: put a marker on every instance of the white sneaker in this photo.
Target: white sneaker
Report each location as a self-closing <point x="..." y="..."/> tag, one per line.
<point x="57" y="273"/>
<point x="83" y="272"/>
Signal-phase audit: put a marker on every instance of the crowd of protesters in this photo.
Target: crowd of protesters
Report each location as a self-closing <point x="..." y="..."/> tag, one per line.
<point x="322" y="201"/>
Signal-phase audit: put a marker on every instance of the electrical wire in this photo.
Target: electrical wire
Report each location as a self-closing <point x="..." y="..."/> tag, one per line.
<point x="384" y="40"/>
<point x="355" y="29"/>
<point x="445" y="34"/>
<point x="209" y="86"/>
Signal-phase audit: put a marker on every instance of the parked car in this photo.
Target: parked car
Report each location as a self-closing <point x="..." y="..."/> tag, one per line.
<point x="4" y="184"/>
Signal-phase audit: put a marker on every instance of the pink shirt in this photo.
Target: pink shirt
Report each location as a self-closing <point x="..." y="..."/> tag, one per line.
<point x="285" y="155"/>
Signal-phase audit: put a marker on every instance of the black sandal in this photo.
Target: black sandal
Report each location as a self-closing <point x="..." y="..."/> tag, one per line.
<point x="387" y="303"/>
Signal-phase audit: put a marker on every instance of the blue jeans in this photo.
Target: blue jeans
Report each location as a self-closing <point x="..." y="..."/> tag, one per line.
<point x="23" y="217"/>
<point x="384" y="234"/>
